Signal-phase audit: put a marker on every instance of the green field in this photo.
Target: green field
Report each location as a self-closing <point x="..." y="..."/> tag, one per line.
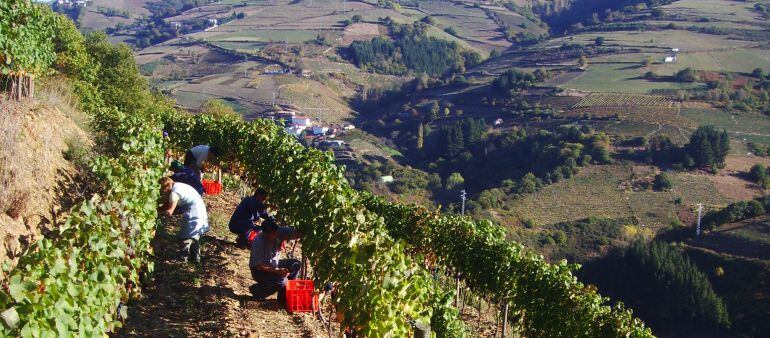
<point x="618" y="74"/>
<point x="752" y="127"/>
<point x="735" y="60"/>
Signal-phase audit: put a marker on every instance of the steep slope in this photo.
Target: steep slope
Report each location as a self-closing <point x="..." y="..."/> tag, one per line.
<point x="41" y="144"/>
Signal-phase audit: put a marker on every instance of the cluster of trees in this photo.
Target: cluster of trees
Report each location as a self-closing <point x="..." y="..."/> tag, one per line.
<point x="758" y="149"/>
<point x="760" y="175"/>
<point x="735" y="212"/>
<point x="405" y="180"/>
<point x="686" y="75"/>
<point x="754" y="95"/>
<point x="662" y="286"/>
<point x="169" y="8"/>
<point x="155" y="30"/>
<point x="763" y="8"/>
<point x="75" y="13"/>
<point x="107" y="11"/>
<point x="566" y="15"/>
<point x="707" y="148"/>
<point x="513" y="80"/>
<point x="513" y="159"/>
<point x="411" y="50"/>
<point x="454" y="138"/>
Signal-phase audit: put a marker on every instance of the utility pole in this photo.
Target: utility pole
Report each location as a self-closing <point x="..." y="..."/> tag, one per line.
<point x="457" y="274"/>
<point x="245" y="60"/>
<point x="700" y="213"/>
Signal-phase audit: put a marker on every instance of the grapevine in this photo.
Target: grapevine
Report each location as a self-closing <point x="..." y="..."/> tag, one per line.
<point x="380" y="288"/>
<point x="546" y="298"/>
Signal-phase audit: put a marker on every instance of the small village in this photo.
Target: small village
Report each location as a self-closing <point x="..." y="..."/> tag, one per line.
<point x="315" y="134"/>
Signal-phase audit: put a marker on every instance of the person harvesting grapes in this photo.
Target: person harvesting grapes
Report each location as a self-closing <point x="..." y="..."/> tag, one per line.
<point x="181" y="197"/>
<point x="246" y="213"/>
<point x="270" y="273"/>
<point x="200" y="156"/>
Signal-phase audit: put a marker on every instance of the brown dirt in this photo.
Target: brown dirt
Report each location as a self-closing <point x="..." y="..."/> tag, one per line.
<point x="360" y="31"/>
<point x="743" y="163"/>
<point x="734" y="187"/>
<point x="38" y="182"/>
<point x="212" y="299"/>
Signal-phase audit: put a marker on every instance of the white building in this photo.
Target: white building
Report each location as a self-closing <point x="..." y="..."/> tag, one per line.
<point x="670" y="59"/>
<point x="386" y="179"/>
<point x="319" y="130"/>
<point x="348" y="127"/>
<point x="301" y="121"/>
<point x="339" y="144"/>
<point x="675" y="50"/>
<point x="296" y="131"/>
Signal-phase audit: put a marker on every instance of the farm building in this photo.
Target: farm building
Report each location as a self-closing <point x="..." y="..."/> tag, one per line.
<point x="274" y="69"/>
<point x="319" y="130"/>
<point x="670" y="59"/>
<point x="301" y="121"/>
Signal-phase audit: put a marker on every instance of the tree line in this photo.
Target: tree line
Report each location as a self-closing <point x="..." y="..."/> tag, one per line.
<point x="514" y="159"/>
<point x="411" y="50"/>
<point x="663" y="286"/>
<point x="707" y="148"/>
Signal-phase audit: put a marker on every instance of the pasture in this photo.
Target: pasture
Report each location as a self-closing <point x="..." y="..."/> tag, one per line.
<point x="619" y="73"/>
<point x="724" y="10"/>
<point x="752" y="127"/>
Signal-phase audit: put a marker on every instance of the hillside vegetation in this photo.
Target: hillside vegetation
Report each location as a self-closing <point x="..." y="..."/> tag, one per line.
<point x="78" y="281"/>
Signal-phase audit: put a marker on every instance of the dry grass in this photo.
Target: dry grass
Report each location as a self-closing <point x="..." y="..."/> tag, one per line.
<point x="35" y="137"/>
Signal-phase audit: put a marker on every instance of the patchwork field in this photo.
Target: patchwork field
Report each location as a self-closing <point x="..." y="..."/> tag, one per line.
<point x="593" y="192"/>
<point x="471" y="24"/>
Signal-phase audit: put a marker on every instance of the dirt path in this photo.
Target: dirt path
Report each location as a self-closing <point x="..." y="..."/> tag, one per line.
<point x="210" y="299"/>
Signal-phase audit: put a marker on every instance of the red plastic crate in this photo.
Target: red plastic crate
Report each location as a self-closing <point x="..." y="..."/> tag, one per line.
<point x="300" y="296"/>
<point x="212" y="187"/>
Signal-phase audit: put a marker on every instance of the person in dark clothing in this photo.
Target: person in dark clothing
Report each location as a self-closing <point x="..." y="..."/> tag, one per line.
<point x="270" y="273"/>
<point x="248" y="211"/>
<point x="183" y="174"/>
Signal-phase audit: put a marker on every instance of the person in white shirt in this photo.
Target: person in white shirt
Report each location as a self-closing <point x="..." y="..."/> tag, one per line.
<point x="199" y="156"/>
<point x="185" y="199"/>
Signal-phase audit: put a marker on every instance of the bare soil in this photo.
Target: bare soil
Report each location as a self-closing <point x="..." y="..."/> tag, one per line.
<point x="38" y="177"/>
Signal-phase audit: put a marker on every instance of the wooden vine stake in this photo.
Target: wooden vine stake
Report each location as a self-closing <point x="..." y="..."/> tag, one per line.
<point x="505" y="319"/>
<point x="457" y="290"/>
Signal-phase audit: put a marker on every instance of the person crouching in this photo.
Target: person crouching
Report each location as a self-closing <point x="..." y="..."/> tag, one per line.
<point x="181" y="197"/>
<point x="271" y="274"/>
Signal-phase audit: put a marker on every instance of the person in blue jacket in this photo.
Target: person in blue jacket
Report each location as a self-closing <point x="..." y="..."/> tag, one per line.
<point x="186" y="175"/>
<point x="251" y="209"/>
